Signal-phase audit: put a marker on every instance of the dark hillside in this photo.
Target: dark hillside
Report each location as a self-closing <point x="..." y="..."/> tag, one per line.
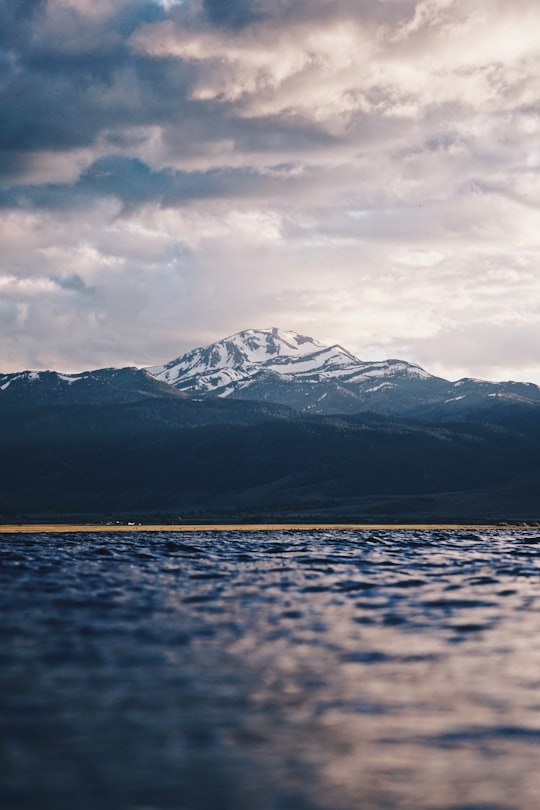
<point x="177" y="456"/>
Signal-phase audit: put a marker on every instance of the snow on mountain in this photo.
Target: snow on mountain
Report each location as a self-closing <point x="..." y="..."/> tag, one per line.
<point x="280" y="366"/>
<point x="36" y="388"/>
<point x="28" y="377"/>
<point x="291" y="369"/>
<point x="234" y="361"/>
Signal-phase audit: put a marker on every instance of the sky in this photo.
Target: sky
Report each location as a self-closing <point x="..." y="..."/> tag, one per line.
<point x="365" y="172"/>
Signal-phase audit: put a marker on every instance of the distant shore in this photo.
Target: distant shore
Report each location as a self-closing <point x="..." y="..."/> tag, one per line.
<point x="29" y="528"/>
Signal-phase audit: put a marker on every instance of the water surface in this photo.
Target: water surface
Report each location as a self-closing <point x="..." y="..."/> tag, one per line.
<point x="283" y="670"/>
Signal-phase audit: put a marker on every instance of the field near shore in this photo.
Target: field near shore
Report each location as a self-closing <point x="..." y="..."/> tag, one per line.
<point x="29" y="528"/>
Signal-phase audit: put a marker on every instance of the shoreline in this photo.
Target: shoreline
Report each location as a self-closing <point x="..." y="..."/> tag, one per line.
<point x="65" y="528"/>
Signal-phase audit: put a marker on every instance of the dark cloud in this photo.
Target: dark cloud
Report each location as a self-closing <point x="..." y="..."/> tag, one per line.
<point x="133" y="183"/>
<point x="234" y="13"/>
<point x="17" y="21"/>
<point x="237" y="14"/>
<point x="67" y="89"/>
<point x="129" y="180"/>
<point x="59" y="90"/>
<point x="73" y="283"/>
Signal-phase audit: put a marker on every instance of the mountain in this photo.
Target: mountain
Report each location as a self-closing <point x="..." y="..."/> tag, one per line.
<point x="279" y="366"/>
<point x="231" y="364"/>
<point x="268" y="425"/>
<point x="37" y="389"/>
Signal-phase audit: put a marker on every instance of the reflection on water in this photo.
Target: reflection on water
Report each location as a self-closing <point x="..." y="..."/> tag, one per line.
<point x="292" y="670"/>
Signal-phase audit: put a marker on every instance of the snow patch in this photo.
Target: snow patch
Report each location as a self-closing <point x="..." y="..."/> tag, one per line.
<point x="70" y="378"/>
<point x="378" y="387"/>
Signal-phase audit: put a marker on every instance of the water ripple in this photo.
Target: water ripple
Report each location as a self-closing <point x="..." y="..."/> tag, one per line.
<point x="286" y="670"/>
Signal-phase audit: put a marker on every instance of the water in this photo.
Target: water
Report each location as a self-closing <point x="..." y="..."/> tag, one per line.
<point x="290" y="670"/>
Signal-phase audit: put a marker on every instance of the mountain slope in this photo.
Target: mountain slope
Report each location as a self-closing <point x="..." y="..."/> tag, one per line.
<point x="218" y="457"/>
<point x="35" y="389"/>
<point x="278" y="366"/>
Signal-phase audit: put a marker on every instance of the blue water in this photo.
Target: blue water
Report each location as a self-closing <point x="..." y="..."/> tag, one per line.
<point x="290" y="670"/>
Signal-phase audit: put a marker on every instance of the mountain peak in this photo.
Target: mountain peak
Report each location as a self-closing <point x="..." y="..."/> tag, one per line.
<point x="260" y="356"/>
<point x="261" y="343"/>
<point x="236" y="359"/>
<point x="283" y="367"/>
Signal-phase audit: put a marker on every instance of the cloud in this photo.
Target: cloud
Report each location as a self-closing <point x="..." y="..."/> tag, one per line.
<point x="363" y="171"/>
<point x="233" y="14"/>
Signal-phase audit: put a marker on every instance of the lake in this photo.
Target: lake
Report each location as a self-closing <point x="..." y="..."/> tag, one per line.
<point x="278" y="670"/>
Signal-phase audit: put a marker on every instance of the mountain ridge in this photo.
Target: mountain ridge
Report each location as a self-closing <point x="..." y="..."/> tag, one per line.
<point x="280" y="367"/>
<point x="300" y="372"/>
<point x="106" y="385"/>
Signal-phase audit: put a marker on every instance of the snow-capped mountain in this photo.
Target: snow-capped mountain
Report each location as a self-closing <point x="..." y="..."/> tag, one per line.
<point x="226" y="367"/>
<point x="277" y="367"/>
<point x="290" y="369"/>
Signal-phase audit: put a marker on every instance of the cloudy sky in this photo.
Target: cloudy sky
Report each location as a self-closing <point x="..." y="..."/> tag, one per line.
<point x="362" y="171"/>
